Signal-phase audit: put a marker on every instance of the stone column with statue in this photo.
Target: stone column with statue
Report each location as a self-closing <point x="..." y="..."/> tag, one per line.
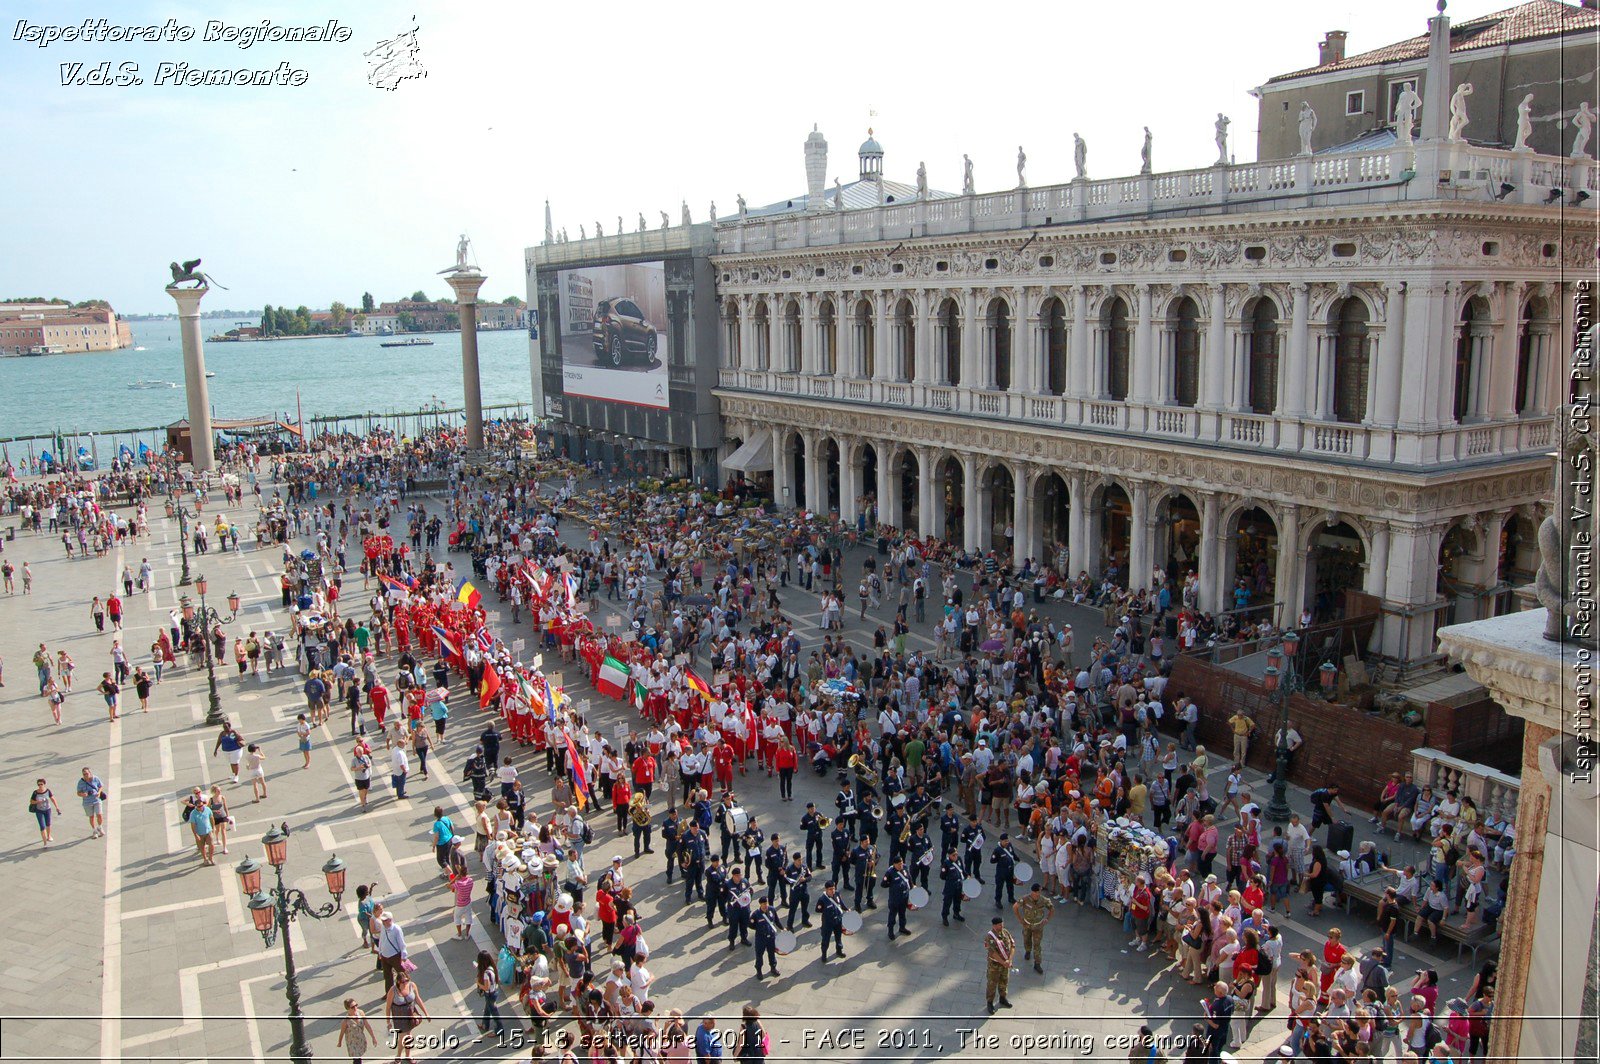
<point x="465" y="279"/>
<point x="202" y="447"/>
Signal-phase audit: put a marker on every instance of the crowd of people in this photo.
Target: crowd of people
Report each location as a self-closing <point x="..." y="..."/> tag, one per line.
<point x="1014" y="739"/>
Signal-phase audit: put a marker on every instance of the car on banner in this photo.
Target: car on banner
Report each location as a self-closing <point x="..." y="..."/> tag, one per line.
<point x="620" y="329"/>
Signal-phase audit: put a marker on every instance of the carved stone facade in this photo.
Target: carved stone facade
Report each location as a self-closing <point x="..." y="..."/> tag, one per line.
<point x="1357" y="395"/>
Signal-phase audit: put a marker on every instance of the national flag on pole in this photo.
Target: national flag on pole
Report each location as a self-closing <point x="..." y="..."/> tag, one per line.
<point x="445" y="642"/>
<point x="484" y="640"/>
<point x="696" y="684"/>
<point x="640" y="690"/>
<point x="571" y="582"/>
<point x="399" y="588"/>
<point x="467" y="594"/>
<point x="491" y="686"/>
<point x="612" y="680"/>
<point x="549" y="698"/>
<point x="575" y="763"/>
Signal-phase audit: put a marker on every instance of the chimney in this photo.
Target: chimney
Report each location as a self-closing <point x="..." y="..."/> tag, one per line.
<point x="1331" y="49"/>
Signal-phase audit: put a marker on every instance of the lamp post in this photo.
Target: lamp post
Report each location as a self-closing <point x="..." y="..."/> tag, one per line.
<point x="272" y="911"/>
<point x="204" y="620"/>
<point x="1282" y="679"/>
<point x="183" y="540"/>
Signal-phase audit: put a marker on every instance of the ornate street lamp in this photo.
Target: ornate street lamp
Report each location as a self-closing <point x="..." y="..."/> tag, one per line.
<point x="183" y="541"/>
<point x="273" y="910"/>
<point x="1282" y="679"/>
<point x="206" y="619"/>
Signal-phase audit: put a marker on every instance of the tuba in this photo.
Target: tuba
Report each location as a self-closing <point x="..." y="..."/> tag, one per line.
<point x="641" y="814"/>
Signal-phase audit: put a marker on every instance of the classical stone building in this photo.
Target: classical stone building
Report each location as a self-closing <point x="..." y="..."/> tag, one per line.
<point x="1307" y="376"/>
<point x="1542" y="47"/>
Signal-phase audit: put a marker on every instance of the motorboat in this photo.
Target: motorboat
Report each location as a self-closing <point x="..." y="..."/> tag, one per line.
<point x="145" y="385"/>
<point x="410" y="341"/>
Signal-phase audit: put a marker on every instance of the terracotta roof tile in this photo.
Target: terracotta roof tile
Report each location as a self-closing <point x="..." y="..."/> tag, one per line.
<point x="1525" y="22"/>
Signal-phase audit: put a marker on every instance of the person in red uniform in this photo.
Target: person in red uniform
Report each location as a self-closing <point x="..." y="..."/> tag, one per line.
<point x="644" y="773"/>
<point x="722" y="760"/>
<point x="378" y="698"/>
<point x="621" y="795"/>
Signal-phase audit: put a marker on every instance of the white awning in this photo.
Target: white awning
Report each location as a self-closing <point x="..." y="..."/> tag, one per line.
<point x="753" y="456"/>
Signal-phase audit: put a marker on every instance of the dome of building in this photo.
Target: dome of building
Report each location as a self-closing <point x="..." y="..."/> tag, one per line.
<point x="871" y="153"/>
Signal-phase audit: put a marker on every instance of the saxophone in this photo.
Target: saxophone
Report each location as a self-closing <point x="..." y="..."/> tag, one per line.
<point x="905" y="832"/>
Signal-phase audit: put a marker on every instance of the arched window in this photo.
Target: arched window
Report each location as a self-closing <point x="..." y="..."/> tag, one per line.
<point x="1467" y="398"/>
<point x="904" y="344"/>
<point x="761" y="326"/>
<point x="999" y="330"/>
<point x="1055" y="357"/>
<point x="792" y="337"/>
<point x="730" y="333"/>
<point x="866" y="345"/>
<point x="1350" y="362"/>
<point x="1119" y="340"/>
<point x="1186" y="353"/>
<point x="1263" y="373"/>
<point x="948" y="322"/>
<point x="829" y="334"/>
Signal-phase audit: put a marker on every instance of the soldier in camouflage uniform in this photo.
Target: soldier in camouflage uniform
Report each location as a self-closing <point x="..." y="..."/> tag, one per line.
<point x="998" y="947"/>
<point x="1034" y="910"/>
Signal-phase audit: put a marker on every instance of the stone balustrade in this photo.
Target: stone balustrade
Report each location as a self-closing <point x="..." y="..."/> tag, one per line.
<point x="1289" y="435"/>
<point x="1491" y="790"/>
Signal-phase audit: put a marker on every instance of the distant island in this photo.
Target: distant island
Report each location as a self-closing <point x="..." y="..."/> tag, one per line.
<point x="34" y="325"/>
<point x="417" y="314"/>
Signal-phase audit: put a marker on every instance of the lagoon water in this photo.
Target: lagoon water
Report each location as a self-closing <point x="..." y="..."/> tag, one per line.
<point x="336" y="375"/>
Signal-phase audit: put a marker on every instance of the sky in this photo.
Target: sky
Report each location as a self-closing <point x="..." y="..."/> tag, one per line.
<point x="313" y="193"/>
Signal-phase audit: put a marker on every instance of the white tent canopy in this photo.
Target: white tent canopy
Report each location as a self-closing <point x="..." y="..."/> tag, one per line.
<point x="753" y="456"/>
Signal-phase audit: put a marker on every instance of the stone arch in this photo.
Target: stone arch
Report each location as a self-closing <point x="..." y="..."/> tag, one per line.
<point x="1336" y="549"/>
<point x="998" y="334"/>
<point x="1183" y="371"/>
<point x="1175" y="517"/>
<point x="793" y="346"/>
<point x="1111" y="524"/>
<point x="1052" y="516"/>
<point x="1116" y="356"/>
<point x="1474" y="334"/>
<point x="903" y="342"/>
<point x="863" y="326"/>
<point x="902" y="467"/>
<point x="1349" y="324"/>
<point x="1459" y="547"/>
<point x="1261" y="323"/>
<point x="949" y="493"/>
<point x="1250" y="552"/>
<point x="761" y="335"/>
<point x="792" y="452"/>
<point x="1053" y="316"/>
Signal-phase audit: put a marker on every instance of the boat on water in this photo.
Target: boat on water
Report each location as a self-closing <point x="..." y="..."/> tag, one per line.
<point x="139" y="349"/>
<point x="210" y="373"/>
<point x="145" y="385"/>
<point x="410" y="341"/>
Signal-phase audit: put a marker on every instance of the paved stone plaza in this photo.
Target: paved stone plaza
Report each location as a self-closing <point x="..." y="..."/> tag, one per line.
<point x="128" y="948"/>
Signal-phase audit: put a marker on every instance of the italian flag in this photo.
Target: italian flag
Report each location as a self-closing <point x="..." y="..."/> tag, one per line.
<point x="613" y="678"/>
<point x="640" y="693"/>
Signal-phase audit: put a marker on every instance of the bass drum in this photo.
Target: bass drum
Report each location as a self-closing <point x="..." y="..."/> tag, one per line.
<point x="852" y="922"/>
<point x="738" y="819"/>
<point x="786" y="943"/>
<point x="971" y="889"/>
<point x="919" y="897"/>
<point x="1024" y="872"/>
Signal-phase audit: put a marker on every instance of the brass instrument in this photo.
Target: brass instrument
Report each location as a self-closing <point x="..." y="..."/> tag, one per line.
<point x="824" y="822"/>
<point x="641" y="814"/>
<point x="863" y="772"/>
<point x="905" y="832"/>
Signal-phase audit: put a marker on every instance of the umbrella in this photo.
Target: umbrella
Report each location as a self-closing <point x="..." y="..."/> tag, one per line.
<point x="697" y="600"/>
<point x="992" y="646"/>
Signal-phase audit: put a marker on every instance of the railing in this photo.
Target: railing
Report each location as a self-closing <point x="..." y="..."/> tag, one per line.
<point x="990" y="403"/>
<point x="822" y="386"/>
<point x="1331" y="440"/>
<point x="1480" y="442"/>
<point x="1105" y="415"/>
<point x="858" y="391"/>
<point x="1251" y="430"/>
<point x="1175" y="422"/>
<point x="896" y="394"/>
<point x="942" y="398"/>
<point x="1494" y="792"/>
<point x="787" y="383"/>
<point x="1536" y="434"/>
<point x="1044" y="409"/>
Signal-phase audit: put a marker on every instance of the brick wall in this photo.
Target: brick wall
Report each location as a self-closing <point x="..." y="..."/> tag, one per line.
<point x="1480" y="731"/>
<point x="1342" y="745"/>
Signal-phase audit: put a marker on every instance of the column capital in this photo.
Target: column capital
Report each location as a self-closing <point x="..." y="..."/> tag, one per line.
<point x="1299" y="288"/>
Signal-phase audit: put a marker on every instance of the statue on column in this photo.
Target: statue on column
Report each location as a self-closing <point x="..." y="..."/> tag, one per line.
<point x="583" y="234"/>
<point x="666" y="222"/>
<point x="1022" y="164"/>
<point x="1458" y="110"/>
<point x="619" y="225"/>
<point x="713" y="212"/>
<point x="922" y="180"/>
<point x="967" y="187"/>
<point x="1080" y="157"/>
<point x="598" y="232"/>
<point x="1406" y="106"/>
<point x="1222" y="139"/>
<point x="1524" y="123"/>
<point x="1308" y="126"/>
<point x="740" y="201"/>
<point x="1584" y="121"/>
<point x="686" y="220"/>
<point x="641" y="221"/>
<point x="1144" y="153"/>
<point x="838" y="196"/>
<point x="1557" y="583"/>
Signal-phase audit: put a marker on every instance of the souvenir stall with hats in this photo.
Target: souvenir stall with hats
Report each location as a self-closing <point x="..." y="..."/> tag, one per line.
<point x="1124" y="850"/>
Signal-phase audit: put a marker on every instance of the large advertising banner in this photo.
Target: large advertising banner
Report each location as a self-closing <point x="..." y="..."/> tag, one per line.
<point x="613" y="332"/>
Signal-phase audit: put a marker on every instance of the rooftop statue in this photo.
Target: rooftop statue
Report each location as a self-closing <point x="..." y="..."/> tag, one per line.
<point x="1406" y="106"/>
<point x="1144" y="153"/>
<point x="1080" y="157"/>
<point x="1524" y="123"/>
<point x="1458" y="110"/>
<point x="1308" y="126"/>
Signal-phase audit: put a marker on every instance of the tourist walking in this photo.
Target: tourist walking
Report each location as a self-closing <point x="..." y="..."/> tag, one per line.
<point x="405" y="1011"/>
<point x="111" y="692"/>
<point x="355" y="1031"/>
<point x="230" y="743"/>
<point x="93" y="794"/>
<point x="302" y="731"/>
<point x="255" y="767"/>
<point x="489" y="992"/>
<point x="42" y="803"/>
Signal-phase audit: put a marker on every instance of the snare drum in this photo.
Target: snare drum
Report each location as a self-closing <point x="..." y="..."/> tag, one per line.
<point x="1024" y="872"/>
<point x="971" y="888"/>
<point x="786" y="943"/>
<point x="852" y="922"/>
<point x="919" y="897"/>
